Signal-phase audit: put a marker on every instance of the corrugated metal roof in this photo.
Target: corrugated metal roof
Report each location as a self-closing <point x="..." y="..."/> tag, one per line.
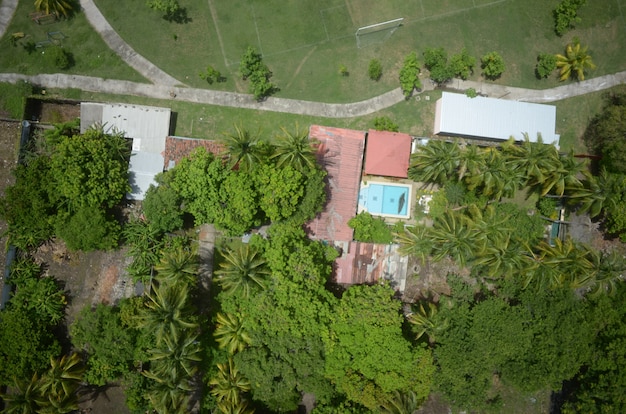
<point x="340" y="152"/>
<point x="460" y="115"/>
<point x="362" y="263"/>
<point x="387" y="154"/>
<point x="142" y="168"/>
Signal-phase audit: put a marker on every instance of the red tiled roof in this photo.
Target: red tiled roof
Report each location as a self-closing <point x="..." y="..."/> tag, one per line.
<point x="177" y="148"/>
<point x="340" y="152"/>
<point x="387" y="154"/>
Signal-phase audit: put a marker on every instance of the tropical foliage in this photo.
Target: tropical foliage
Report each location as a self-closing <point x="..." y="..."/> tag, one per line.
<point x="574" y="62"/>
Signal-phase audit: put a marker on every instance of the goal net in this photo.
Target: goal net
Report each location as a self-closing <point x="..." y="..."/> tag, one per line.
<point x="376" y="33"/>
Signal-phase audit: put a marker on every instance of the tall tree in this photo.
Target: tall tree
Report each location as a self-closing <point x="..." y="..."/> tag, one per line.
<point x="179" y="264"/>
<point x="229" y="383"/>
<point x="231" y="333"/>
<point x="436" y="162"/>
<point x="244" y="148"/>
<point x="294" y="148"/>
<point x="242" y="272"/>
<point x="455" y="235"/>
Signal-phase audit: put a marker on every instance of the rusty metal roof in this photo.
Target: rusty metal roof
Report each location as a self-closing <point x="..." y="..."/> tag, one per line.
<point x="340" y="153"/>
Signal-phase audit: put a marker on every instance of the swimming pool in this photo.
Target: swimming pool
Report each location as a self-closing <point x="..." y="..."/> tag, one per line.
<point x="385" y="199"/>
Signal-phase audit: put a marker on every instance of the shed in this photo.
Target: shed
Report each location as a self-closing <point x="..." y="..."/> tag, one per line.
<point x="495" y="119"/>
<point x="387" y="154"/>
<point x="147" y="126"/>
<point x="340" y="153"/>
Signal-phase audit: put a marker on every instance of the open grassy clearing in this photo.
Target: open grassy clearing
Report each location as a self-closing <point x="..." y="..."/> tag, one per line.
<point x="304" y="43"/>
<point x="91" y="55"/>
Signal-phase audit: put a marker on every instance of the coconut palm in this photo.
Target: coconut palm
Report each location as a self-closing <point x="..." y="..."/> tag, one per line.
<point x="593" y="195"/>
<point x="500" y="259"/>
<point x="60" y="7"/>
<point x="455" y="235"/>
<point x="425" y="322"/>
<point x="436" y="162"/>
<point x="471" y="161"/>
<point x="534" y="159"/>
<point x="497" y="179"/>
<point x="169" y="394"/>
<point x="26" y="397"/>
<point x="294" y="149"/>
<point x="240" y="407"/>
<point x="562" y="176"/>
<point x="243" y="148"/>
<point x="564" y="264"/>
<point x="488" y="222"/>
<point x="574" y="62"/>
<point x="166" y="312"/>
<point x="229" y="383"/>
<point x="230" y="333"/>
<point x="242" y="271"/>
<point x="60" y="382"/>
<point x="400" y="403"/>
<point x="414" y="241"/>
<point x="177" y="357"/>
<point x="178" y="264"/>
<point x="609" y="271"/>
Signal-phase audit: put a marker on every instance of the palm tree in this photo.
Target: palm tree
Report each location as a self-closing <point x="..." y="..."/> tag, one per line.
<point x="243" y="148"/>
<point x="574" y="62"/>
<point x="437" y="162"/>
<point x="497" y="179"/>
<point x="229" y="383"/>
<point x="564" y="264"/>
<point x="242" y="271"/>
<point x="400" y="403"/>
<point x="593" y="195"/>
<point x="455" y="235"/>
<point x="178" y="264"/>
<point x="471" y="161"/>
<point x="177" y="357"/>
<point x="240" y="407"/>
<point x="562" y="176"/>
<point x="500" y="258"/>
<point x="609" y="270"/>
<point x="26" y="397"/>
<point x="60" y="7"/>
<point x="169" y="395"/>
<point x="166" y="312"/>
<point x="60" y="382"/>
<point x="294" y="149"/>
<point x="425" y="322"/>
<point x="230" y="333"/>
<point x="414" y="241"/>
<point x="534" y="159"/>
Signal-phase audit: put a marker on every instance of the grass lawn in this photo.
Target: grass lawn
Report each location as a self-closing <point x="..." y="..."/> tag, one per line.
<point x="305" y="42"/>
<point x="91" y="55"/>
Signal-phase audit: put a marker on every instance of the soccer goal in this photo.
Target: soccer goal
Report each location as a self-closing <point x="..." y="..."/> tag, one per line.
<point x="376" y="33"/>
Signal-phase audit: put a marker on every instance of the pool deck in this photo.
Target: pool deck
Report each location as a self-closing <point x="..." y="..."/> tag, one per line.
<point x="369" y="179"/>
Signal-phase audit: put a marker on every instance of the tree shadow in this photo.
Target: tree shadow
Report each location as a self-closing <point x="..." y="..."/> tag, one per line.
<point x="180" y="16"/>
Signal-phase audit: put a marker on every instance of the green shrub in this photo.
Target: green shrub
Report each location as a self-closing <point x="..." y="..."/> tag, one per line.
<point x="384" y="123"/>
<point x="462" y="64"/>
<point x="547" y="207"/>
<point x="493" y="65"/>
<point x="211" y="75"/>
<point x="59" y="57"/>
<point x="546" y="64"/>
<point x="88" y="229"/>
<point x="375" y="69"/>
<point x="566" y="14"/>
<point x="370" y="229"/>
<point x="409" y="75"/>
<point x="471" y="93"/>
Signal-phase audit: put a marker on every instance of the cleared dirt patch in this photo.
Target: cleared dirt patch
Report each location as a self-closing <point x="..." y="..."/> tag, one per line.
<point x="9" y="140"/>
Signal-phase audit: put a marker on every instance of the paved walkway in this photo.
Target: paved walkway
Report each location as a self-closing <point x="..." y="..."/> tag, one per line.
<point x="7" y="10"/>
<point x="348" y="110"/>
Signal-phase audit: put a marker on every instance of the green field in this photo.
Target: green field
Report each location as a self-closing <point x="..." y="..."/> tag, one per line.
<point x="305" y="42"/>
<point x="91" y="55"/>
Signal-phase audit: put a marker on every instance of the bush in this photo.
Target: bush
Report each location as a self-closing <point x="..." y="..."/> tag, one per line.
<point x="566" y="14"/>
<point x="211" y="75"/>
<point x="546" y="64"/>
<point x="369" y="229"/>
<point x="462" y="65"/>
<point x="493" y="65"/>
<point x="375" y="70"/>
<point x="384" y="123"/>
<point x="162" y="208"/>
<point x="409" y="75"/>
<point x="59" y="57"/>
<point x="436" y="61"/>
<point x="471" y="93"/>
<point x="88" y="229"/>
<point x="343" y="70"/>
<point x="252" y="67"/>
<point x="547" y="207"/>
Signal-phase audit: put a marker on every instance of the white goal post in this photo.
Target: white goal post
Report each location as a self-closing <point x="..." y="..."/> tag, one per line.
<point x="381" y="31"/>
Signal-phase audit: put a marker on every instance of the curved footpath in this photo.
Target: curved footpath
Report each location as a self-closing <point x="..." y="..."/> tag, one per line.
<point x="348" y="110"/>
<point x="7" y="10"/>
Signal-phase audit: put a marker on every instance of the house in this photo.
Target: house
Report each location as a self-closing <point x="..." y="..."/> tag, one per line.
<point x="458" y="115"/>
<point x="370" y="263"/>
<point x="177" y="148"/>
<point x="340" y="153"/>
<point x="387" y="154"/>
<point x="147" y="126"/>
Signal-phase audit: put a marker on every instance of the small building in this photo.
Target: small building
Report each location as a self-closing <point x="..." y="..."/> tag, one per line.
<point x="367" y="263"/>
<point x="458" y="115"/>
<point x="387" y="154"/>
<point x="340" y="153"/>
<point x="147" y="126"/>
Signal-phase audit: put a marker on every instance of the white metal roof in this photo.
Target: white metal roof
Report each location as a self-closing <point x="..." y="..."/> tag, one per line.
<point x="460" y="115"/>
<point x="148" y="126"/>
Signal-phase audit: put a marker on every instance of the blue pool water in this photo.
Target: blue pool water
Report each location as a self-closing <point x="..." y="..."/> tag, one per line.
<point x="385" y="199"/>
